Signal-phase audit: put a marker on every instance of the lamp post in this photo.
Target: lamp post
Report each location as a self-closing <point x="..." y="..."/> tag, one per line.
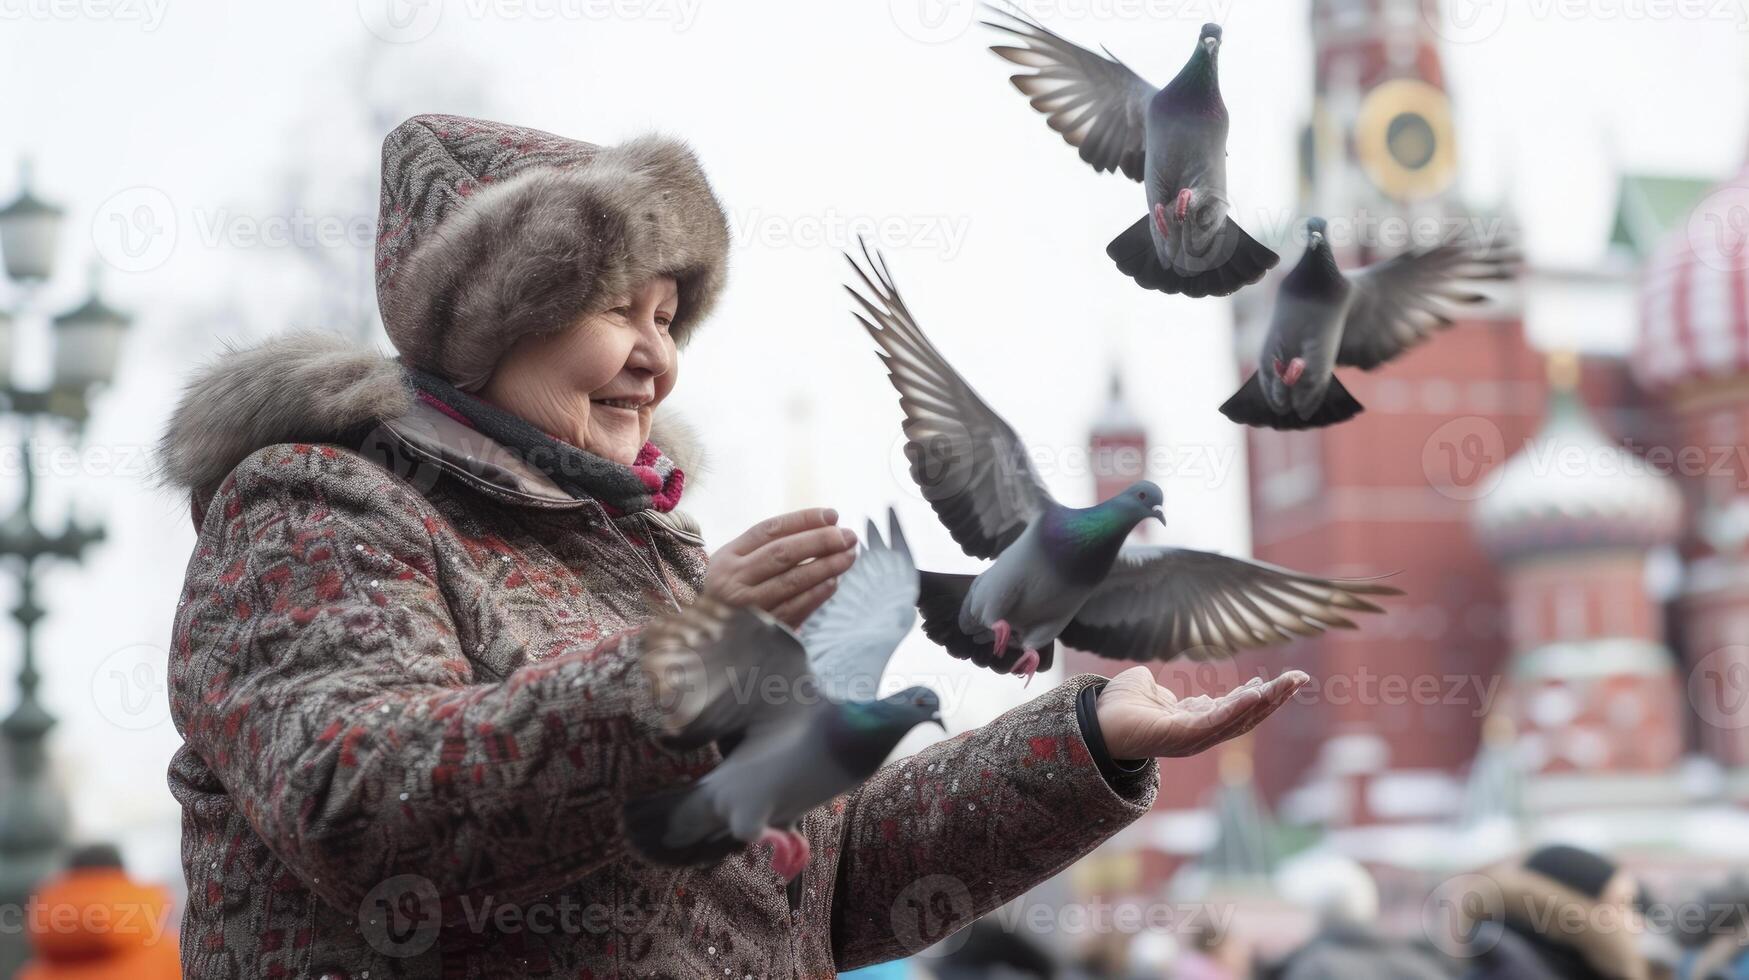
<point x="85" y="342"/>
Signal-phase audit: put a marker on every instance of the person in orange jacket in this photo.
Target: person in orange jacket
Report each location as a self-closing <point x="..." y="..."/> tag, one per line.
<point x="93" y="922"/>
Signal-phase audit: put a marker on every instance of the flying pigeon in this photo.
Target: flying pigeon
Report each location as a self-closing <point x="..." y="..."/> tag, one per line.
<point x="1324" y="318"/>
<point x="797" y="716"/>
<point x="1173" y="140"/>
<point x="1062" y="573"/>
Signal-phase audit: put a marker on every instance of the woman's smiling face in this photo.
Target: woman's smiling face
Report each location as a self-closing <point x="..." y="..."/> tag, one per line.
<point x="597" y="383"/>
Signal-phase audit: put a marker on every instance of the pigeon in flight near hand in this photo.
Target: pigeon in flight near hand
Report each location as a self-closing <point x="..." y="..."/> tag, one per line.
<point x="797" y="715"/>
<point x="1063" y="572"/>
<point x="1173" y="140"/>
<point x="1324" y="318"/>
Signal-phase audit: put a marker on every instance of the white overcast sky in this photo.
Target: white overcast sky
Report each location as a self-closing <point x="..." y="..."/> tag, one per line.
<point x="808" y="116"/>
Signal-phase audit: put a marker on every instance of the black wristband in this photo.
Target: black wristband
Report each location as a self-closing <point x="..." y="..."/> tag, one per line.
<point x="1120" y="774"/>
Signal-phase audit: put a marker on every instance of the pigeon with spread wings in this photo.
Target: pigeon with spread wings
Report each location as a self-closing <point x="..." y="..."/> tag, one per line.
<point x="1172" y="139"/>
<point x="1324" y="319"/>
<point x="798" y="715"/>
<point x="1063" y="572"/>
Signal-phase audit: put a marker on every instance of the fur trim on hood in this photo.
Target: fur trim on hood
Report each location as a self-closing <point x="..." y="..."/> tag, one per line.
<point x="489" y="233"/>
<point x="308" y="386"/>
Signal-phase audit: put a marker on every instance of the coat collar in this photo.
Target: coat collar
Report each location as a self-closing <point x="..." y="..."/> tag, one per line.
<point x="432" y="442"/>
<point x="474" y="458"/>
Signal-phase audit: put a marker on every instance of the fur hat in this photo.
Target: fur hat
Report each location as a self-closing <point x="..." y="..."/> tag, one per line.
<point x="489" y="232"/>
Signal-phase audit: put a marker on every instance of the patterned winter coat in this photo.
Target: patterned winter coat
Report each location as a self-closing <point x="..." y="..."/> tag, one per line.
<point x="404" y="670"/>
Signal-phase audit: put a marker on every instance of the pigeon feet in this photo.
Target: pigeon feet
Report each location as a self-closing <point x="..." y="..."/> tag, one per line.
<point x="1002" y="630"/>
<point x="1026" y="666"/>
<point x="1183" y="204"/>
<point x="1290" y="375"/>
<point x="1160" y="221"/>
<point x="789" y="851"/>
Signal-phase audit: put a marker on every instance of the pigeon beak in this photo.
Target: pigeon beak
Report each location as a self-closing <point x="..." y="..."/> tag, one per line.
<point x="938" y="722"/>
<point x="1158" y="515"/>
<point x="1317" y="238"/>
<point x="1211" y="44"/>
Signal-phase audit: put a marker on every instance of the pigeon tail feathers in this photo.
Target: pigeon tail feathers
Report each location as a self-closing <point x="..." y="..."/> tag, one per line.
<point x="1249" y="407"/>
<point x="1248" y="261"/>
<point x="941" y="596"/>
<point x="653" y="823"/>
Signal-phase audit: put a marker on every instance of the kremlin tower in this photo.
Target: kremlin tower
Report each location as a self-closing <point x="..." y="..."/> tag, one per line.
<point x="1390" y="491"/>
<point x="1117" y="447"/>
<point x="1381" y="141"/>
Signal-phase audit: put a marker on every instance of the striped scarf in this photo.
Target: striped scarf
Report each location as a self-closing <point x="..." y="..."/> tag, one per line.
<point x="652" y="482"/>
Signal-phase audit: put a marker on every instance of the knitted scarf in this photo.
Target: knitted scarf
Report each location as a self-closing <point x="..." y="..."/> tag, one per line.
<point x="652" y="482"/>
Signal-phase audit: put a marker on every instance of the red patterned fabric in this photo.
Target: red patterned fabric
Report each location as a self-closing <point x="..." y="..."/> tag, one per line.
<point x="410" y="719"/>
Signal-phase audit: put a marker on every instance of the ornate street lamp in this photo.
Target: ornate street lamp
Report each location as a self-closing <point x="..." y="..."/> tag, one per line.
<point x="88" y="342"/>
<point x="29" y="231"/>
<point x="86" y="339"/>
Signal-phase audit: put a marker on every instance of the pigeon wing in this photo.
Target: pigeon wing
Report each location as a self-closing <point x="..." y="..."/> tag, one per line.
<point x="1158" y="603"/>
<point x="711" y="667"/>
<point x="969" y="463"/>
<point x="1403" y="300"/>
<point x="1095" y="101"/>
<point x="850" y="639"/>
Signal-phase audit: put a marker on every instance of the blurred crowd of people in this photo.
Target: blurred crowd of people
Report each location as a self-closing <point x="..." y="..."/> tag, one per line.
<point x="1558" y="913"/>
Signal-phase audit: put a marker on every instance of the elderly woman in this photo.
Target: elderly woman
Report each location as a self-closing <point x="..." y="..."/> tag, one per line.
<point x="404" y="662"/>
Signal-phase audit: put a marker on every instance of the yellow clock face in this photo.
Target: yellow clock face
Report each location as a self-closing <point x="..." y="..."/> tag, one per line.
<point x="1404" y="140"/>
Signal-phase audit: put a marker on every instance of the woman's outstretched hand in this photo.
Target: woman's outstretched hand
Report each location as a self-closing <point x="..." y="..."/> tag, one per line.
<point x="1139" y="719"/>
<point x="786" y="565"/>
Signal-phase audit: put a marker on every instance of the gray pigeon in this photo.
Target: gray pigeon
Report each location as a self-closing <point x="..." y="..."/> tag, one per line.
<point x="1063" y="572"/>
<point x="1324" y="318"/>
<point x="1173" y="140"/>
<point x="797" y="716"/>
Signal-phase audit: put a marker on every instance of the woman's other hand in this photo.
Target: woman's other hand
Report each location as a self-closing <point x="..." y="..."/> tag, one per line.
<point x="786" y="565"/>
<point x="1139" y="719"/>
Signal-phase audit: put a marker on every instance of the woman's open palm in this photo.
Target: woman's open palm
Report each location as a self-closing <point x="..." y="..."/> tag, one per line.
<point x="1140" y="719"/>
<point x="786" y="565"/>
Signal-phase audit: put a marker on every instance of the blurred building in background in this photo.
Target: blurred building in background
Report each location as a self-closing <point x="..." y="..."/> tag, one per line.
<point x="1693" y="356"/>
<point x="1571" y="658"/>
